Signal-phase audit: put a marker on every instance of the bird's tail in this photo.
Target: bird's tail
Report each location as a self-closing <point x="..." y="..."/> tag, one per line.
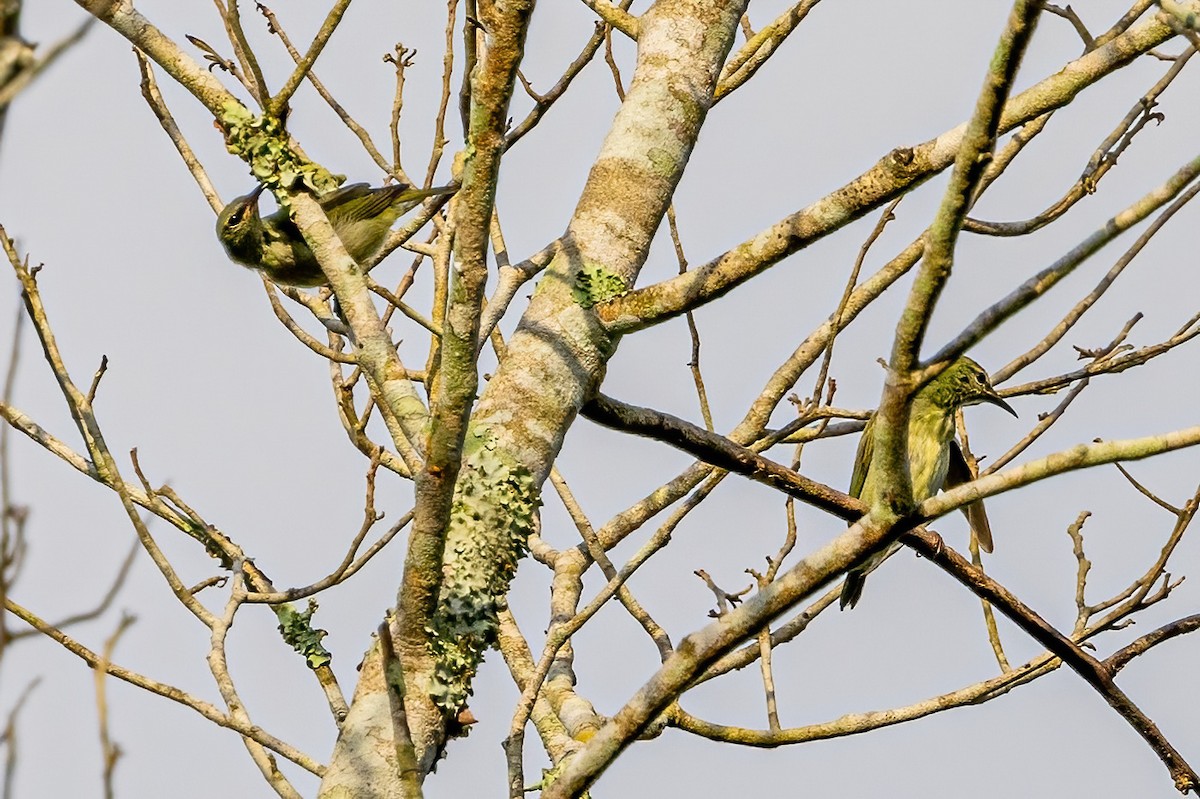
<point x="403" y="193"/>
<point x="852" y="589"/>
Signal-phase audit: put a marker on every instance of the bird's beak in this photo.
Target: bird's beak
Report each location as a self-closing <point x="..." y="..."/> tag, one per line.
<point x="995" y="399"/>
<point x="253" y="196"/>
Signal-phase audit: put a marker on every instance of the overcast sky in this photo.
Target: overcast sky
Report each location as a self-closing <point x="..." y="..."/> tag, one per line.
<point x="225" y="405"/>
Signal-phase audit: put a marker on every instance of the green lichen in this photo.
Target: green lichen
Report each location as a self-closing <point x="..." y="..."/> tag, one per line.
<point x="297" y="630"/>
<point x="595" y="284"/>
<point x="549" y="775"/>
<point x="663" y="160"/>
<point x="265" y="146"/>
<point x="495" y="504"/>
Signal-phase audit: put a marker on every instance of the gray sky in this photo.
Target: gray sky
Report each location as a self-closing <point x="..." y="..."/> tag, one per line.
<point x="226" y="406"/>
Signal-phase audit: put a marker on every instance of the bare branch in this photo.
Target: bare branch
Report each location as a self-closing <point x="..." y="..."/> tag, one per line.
<point x="110" y="752"/>
<point x="760" y="47"/>
<point x="279" y="102"/>
<point x="1069" y="15"/>
<point x="974" y="152"/>
<point x="1103" y="159"/>
<point x="347" y="120"/>
<point x="34" y="67"/>
<point x="616" y="16"/>
<point x="158" y="105"/>
<point x="209" y="711"/>
<point x="895" y="173"/>
<point x="718" y="451"/>
<point x="1044" y="280"/>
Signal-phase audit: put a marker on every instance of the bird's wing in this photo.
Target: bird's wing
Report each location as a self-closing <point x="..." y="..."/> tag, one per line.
<point x="360" y="202"/>
<point x="343" y="195"/>
<point x="862" y="458"/>
<point x="855" y="578"/>
<point x="958" y="473"/>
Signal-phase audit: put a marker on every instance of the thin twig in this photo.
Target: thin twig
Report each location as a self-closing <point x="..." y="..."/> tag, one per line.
<point x="300" y="333"/>
<point x="358" y="130"/>
<point x="158" y="105"/>
<point x="245" y="55"/>
<point x="110" y="752"/>
<point x="206" y="709"/>
<point x="693" y="331"/>
<point x="279" y="102"/>
<point x="1147" y="493"/>
<point x="18" y="83"/>
<point x="8" y="738"/>
<point x="1069" y="15"/>
<point x="402" y="58"/>
<point x="1103" y="159"/>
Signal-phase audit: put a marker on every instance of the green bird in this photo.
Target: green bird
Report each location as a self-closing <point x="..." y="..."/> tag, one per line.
<point x="934" y="457"/>
<point x="360" y="215"/>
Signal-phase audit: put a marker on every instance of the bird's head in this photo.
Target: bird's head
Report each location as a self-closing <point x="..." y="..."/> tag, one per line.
<point x="964" y="383"/>
<point x="240" y="229"/>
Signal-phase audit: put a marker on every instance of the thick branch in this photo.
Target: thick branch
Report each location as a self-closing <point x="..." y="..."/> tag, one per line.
<point x="704" y="647"/>
<point x="402" y="408"/>
<point x="1046" y="279"/>
<point x="896" y="173"/>
<point x="1095" y="673"/>
<point x="715" y="449"/>
<point x="890" y="462"/>
<point x="974" y="154"/>
<point x="127" y="21"/>
<point x="458" y="377"/>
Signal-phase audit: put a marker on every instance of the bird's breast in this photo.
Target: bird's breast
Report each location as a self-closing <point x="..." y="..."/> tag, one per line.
<point x="927" y="468"/>
<point x="929" y="453"/>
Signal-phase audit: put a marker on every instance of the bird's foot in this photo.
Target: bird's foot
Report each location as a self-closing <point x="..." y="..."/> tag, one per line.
<point x="939" y="544"/>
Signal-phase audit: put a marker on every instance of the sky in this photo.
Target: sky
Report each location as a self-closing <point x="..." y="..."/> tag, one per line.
<point x="222" y="403"/>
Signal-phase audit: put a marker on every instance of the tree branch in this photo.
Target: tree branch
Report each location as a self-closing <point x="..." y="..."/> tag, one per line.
<point x="896" y="173"/>
<point x="703" y="648"/>
<point x="719" y="451"/>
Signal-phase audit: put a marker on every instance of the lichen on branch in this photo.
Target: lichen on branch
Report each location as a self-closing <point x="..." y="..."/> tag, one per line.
<point x="296" y="627"/>
<point x="595" y="284"/>
<point x="274" y="160"/>
<point x="494" y="510"/>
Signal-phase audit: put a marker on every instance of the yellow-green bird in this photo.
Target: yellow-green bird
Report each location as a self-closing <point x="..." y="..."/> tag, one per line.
<point x="360" y="215"/>
<point x="934" y="457"/>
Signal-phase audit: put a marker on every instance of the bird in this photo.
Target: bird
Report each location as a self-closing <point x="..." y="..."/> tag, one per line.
<point x="360" y="215"/>
<point x="935" y="460"/>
